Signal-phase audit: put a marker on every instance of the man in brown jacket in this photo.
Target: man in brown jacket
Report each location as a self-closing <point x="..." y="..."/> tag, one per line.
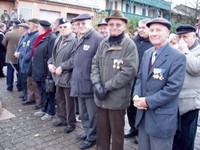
<point x="10" y="41"/>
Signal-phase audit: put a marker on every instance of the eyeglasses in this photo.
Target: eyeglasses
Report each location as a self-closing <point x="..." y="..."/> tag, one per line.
<point x="63" y="27"/>
<point x="118" y="25"/>
<point x="81" y="23"/>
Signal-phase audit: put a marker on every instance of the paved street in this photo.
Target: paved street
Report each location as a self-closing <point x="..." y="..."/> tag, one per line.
<point x="27" y="132"/>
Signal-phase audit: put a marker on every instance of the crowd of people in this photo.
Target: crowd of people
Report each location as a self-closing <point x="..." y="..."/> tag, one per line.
<point x="67" y="67"/>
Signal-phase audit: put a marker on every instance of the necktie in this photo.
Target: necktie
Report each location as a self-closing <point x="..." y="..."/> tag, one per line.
<point x="153" y="58"/>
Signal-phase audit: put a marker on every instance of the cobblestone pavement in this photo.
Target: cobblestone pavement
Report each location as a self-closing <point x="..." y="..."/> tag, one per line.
<point x="27" y="132"/>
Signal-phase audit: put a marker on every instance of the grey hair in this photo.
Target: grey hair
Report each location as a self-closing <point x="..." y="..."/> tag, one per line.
<point x="2" y="25"/>
<point x="145" y="21"/>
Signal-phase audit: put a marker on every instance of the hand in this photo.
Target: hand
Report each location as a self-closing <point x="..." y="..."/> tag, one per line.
<point x="52" y="68"/>
<point x="59" y="71"/>
<point x="100" y="91"/>
<point x="17" y="54"/>
<point x="182" y="45"/>
<point x="140" y="102"/>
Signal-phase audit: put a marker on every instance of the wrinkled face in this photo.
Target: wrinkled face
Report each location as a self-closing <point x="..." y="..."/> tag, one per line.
<point x="158" y="34"/>
<point x="21" y="30"/>
<point x="74" y="27"/>
<point x="189" y="38"/>
<point x="32" y="26"/>
<point x="103" y="30"/>
<point x="41" y="29"/>
<point x="65" y="29"/>
<point x="116" y="27"/>
<point x="84" y="26"/>
<point x="143" y="30"/>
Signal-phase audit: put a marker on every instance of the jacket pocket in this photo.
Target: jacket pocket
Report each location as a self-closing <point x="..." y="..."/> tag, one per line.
<point x="166" y="111"/>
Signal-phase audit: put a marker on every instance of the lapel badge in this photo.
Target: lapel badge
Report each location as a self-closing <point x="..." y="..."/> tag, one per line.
<point x="28" y="43"/>
<point x="158" y="73"/>
<point x="23" y="44"/>
<point x="117" y="63"/>
<point x="86" y="47"/>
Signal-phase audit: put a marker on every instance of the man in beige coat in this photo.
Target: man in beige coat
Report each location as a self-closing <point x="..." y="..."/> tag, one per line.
<point x="10" y="41"/>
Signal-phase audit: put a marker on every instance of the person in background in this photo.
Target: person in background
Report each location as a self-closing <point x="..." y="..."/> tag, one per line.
<point x="103" y="28"/>
<point x="13" y="15"/>
<point x="5" y="15"/>
<point x="81" y="85"/>
<point x="156" y="92"/>
<point x="41" y="52"/>
<point x="60" y="65"/>
<point x="189" y="99"/>
<point x="142" y="43"/>
<point x="2" y="49"/>
<point x="10" y="41"/>
<point x="55" y="26"/>
<point x="114" y="68"/>
<point x="21" y="48"/>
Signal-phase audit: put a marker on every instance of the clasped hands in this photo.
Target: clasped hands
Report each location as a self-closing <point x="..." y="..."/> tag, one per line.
<point x="100" y="91"/>
<point x="140" y="102"/>
<point x="55" y="70"/>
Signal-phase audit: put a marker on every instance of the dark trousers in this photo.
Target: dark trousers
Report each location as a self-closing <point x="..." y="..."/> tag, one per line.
<point x="184" y="139"/>
<point x="110" y="123"/>
<point x="48" y="99"/>
<point x="2" y="61"/>
<point x="88" y="111"/>
<point x="131" y="114"/>
<point x="23" y="78"/>
<point x="65" y="106"/>
<point x="10" y="77"/>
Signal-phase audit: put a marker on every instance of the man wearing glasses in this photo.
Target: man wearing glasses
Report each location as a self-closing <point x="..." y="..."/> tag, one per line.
<point x="81" y="85"/>
<point x="60" y="66"/>
<point x="114" y="68"/>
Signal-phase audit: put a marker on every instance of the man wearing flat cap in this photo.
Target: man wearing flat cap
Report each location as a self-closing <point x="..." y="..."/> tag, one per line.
<point x="33" y="94"/>
<point x="21" y="47"/>
<point x="60" y="65"/>
<point x="190" y="96"/>
<point x="103" y="28"/>
<point x="114" y="68"/>
<point x="81" y="85"/>
<point x="159" y="82"/>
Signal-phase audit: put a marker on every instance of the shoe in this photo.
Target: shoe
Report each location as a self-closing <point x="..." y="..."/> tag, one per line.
<point x="87" y="144"/>
<point x="136" y="140"/>
<point x="9" y="89"/>
<point x="21" y="96"/>
<point x="69" y="129"/>
<point x="37" y="106"/>
<point x="131" y="133"/>
<point x="81" y="137"/>
<point x="46" y="117"/>
<point x="39" y="113"/>
<point x="2" y="76"/>
<point x="59" y="123"/>
<point x="28" y="102"/>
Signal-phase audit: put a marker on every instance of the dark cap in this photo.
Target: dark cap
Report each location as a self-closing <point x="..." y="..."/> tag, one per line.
<point x="34" y="20"/>
<point x="16" y="21"/>
<point x="62" y="21"/>
<point x="83" y="17"/>
<point x="24" y="25"/>
<point x="116" y="14"/>
<point x="182" y="29"/>
<point x="102" y="22"/>
<point x="162" y="21"/>
<point x="44" y="23"/>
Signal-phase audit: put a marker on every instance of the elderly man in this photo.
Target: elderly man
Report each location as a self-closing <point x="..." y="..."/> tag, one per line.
<point x="114" y="68"/>
<point x="142" y="42"/>
<point x="81" y="85"/>
<point x="157" y="89"/>
<point x="103" y="28"/>
<point x="190" y="96"/>
<point x="21" y="48"/>
<point x="60" y="66"/>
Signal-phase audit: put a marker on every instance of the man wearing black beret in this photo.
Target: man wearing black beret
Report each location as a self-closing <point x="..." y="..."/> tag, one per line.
<point x="189" y="97"/>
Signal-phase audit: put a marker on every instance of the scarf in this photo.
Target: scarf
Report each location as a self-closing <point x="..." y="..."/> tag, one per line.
<point x="116" y="40"/>
<point x="37" y="41"/>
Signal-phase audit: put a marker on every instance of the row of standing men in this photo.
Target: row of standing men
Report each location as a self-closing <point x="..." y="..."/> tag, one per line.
<point x="87" y="64"/>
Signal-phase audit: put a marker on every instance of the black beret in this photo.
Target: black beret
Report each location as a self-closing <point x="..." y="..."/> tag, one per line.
<point x="16" y="21"/>
<point x="62" y="21"/>
<point x="24" y="25"/>
<point x="102" y="22"/>
<point x="162" y="21"/>
<point x="34" y="20"/>
<point x="182" y="29"/>
<point x="44" y="23"/>
<point x="83" y="17"/>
